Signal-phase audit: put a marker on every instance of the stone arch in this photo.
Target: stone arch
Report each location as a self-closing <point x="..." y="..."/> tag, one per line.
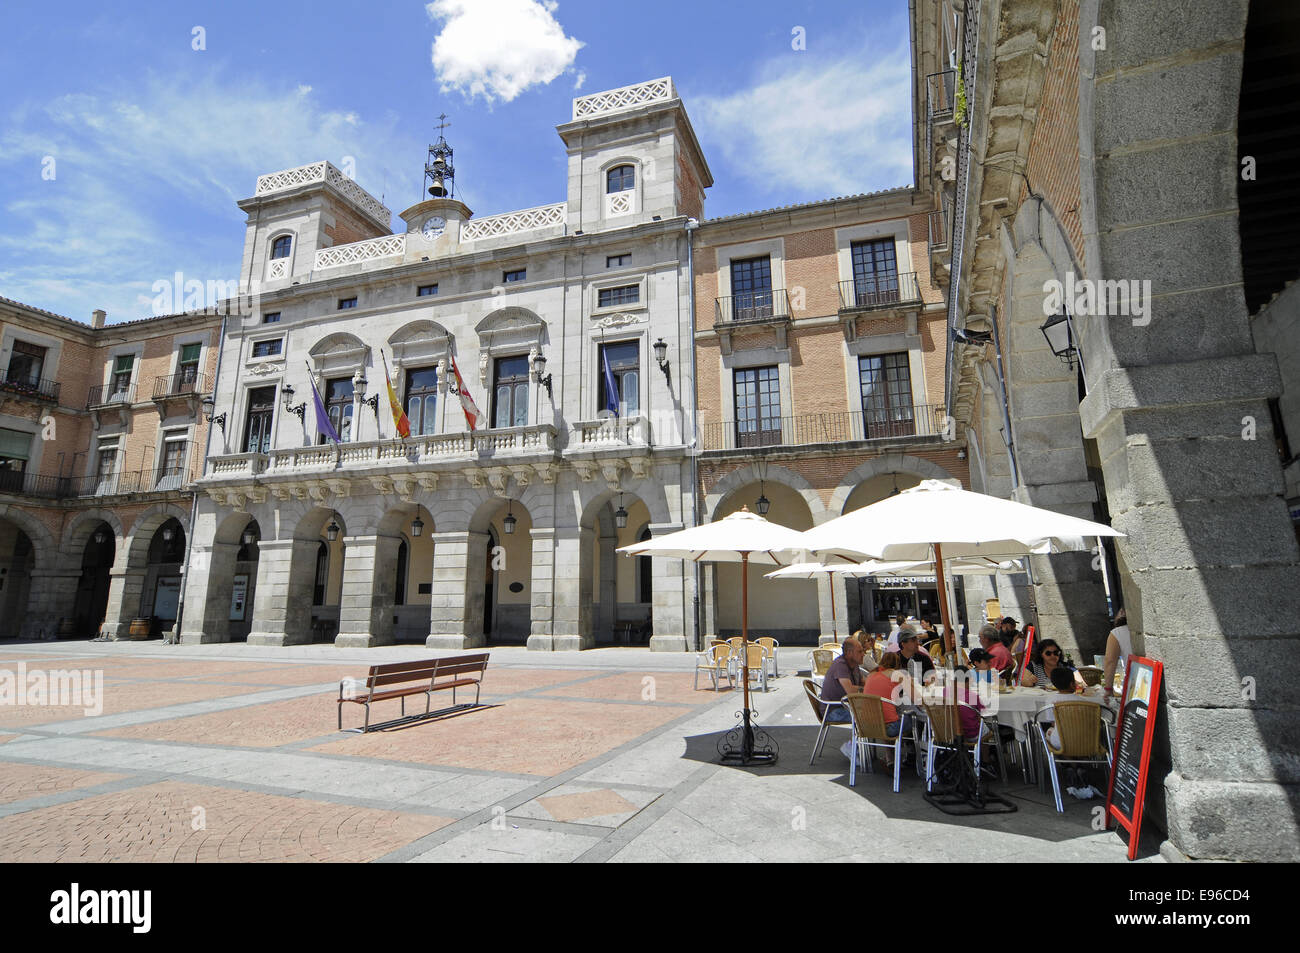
<point x="419" y="342"/>
<point x="82" y="525"/>
<point x="41" y="538"/>
<point x="884" y="464"/>
<point x="135" y="548"/>
<point x="743" y="476"/>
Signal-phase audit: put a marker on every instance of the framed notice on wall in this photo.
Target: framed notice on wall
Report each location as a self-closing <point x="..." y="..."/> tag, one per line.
<point x="238" y="597"/>
<point x="1132" y="750"/>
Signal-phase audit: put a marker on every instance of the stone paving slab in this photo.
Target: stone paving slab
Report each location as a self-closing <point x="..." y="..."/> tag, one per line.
<point x="254" y="726"/>
<point x="663" y="687"/>
<point x="529" y="735"/>
<point x="19" y="782"/>
<point x="173" y="822"/>
<point x="118" y="698"/>
<point x="508" y="842"/>
<point x="600" y="806"/>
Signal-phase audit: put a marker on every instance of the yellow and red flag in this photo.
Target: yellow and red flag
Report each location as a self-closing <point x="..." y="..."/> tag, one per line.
<point x="400" y="420"/>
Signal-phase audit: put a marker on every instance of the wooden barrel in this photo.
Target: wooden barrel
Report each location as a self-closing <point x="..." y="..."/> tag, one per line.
<point x="140" y="628"/>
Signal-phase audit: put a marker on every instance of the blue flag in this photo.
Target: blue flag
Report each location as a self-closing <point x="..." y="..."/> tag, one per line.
<point x="611" y="385"/>
<point x="323" y="424"/>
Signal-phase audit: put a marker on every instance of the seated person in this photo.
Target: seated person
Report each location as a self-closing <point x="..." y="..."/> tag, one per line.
<point x="842" y="678"/>
<point x="1046" y="658"/>
<point x="912" y="657"/>
<point x="866" y="641"/>
<point x="969" y="717"/>
<point x="884" y="682"/>
<point x="1063" y="682"/>
<point x="999" y="654"/>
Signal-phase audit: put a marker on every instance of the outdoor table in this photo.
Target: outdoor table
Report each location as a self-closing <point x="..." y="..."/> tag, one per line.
<point x="1018" y="707"/>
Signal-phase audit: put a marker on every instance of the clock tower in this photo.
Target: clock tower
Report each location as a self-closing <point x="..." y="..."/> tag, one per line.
<point x="434" y="224"/>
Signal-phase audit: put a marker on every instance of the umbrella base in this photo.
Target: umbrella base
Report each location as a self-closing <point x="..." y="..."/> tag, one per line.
<point x="747" y="745"/>
<point x="961" y="794"/>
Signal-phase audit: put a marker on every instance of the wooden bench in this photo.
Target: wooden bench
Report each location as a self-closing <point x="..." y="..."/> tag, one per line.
<point x="400" y="679"/>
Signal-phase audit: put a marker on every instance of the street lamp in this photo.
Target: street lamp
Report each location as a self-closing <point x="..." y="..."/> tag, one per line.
<point x="286" y="392"/>
<point x="1060" y="336"/>
<point x="209" y="405"/>
<point x="540" y="375"/>
<point x="661" y="357"/>
<point x="249" y="537"/>
<point x="510" y="521"/>
<point x="359" y="385"/>
<point x="620" y="514"/>
<point x="417" y="527"/>
<point x="100" y="536"/>
<point x="763" y="504"/>
<point x="332" y="531"/>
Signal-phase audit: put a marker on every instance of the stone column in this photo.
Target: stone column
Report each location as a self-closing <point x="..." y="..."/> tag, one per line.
<point x="124" y="590"/>
<point x="286" y="571"/>
<point x="672" y="581"/>
<point x="542" y="603"/>
<point x="456" y="603"/>
<point x="709" y="601"/>
<point x="607" y="619"/>
<point x="574" y="611"/>
<point x="841" y="602"/>
<point x="51" y="598"/>
<point x="207" y="594"/>
<point x="366" y="605"/>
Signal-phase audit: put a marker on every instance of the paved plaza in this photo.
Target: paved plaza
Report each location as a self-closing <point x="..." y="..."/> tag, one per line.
<point x="231" y="753"/>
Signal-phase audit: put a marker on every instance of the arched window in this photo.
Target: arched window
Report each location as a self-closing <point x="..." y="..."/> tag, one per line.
<point x="399" y="599"/>
<point x="322" y="574"/>
<point x="281" y="246"/>
<point x="620" y="178"/>
<point x="645" y="593"/>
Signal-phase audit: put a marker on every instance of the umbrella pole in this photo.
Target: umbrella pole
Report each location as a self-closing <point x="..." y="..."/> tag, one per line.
<point x="750" y="753"/>
<point x="830" y="577"/>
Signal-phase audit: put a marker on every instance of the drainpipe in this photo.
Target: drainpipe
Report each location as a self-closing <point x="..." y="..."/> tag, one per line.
<point x="194" y="496"/>
<point x="691" y="225"/>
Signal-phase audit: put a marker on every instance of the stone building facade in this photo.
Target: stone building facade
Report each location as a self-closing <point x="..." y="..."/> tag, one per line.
<point x="101" y="437"/>
<point x="821" y="345"/>
<point x="569" y="325"/>
<point x="1092" y="145"/>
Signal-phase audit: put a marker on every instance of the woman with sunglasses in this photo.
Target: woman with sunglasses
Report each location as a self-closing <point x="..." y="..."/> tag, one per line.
<point x="1046" y="659"/>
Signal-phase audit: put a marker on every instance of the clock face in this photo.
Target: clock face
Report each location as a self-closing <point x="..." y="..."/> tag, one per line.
<point x="433" y="227"/>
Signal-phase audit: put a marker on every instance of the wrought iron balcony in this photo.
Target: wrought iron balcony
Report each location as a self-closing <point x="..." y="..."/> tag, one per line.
<point x="939" y="231"/>
<point x="888" y="423"/>
<point x="879" y="291"/>
<point x="940" y="105"/>
<point x="31" y="388"/>
<point x="186" y="383"/>
<point x="754" y="306"/>
<point x="41" y="486"/>
<point x="105" y="395"/>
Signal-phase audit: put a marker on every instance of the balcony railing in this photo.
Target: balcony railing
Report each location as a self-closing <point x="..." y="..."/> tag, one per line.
<point x="104" y="395"/>
<point x="754" y="306"/>
<point x="939" y="232"/>
<point x="610" y="432"/>
<point x="908" y="420"/>
<point x="154" y="480"/>
<point x="30" y="387"/>
<point x="880" y="291"/>
<point x="183" y="384"/>
<point x="940" y="102"/>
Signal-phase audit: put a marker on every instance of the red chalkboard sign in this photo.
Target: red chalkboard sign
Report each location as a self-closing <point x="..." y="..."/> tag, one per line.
<point x="1132" y="749"/>
<point x="1028" y="654"/>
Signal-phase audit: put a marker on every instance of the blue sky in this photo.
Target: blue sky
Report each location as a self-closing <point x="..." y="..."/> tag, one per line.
<point x="123" y="149"/>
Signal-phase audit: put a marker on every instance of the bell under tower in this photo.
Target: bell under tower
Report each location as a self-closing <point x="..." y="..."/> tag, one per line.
<point x="433" y="225"/>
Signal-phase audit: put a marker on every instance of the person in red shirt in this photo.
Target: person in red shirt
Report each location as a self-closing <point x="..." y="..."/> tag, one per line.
<point x="998" y="652"/>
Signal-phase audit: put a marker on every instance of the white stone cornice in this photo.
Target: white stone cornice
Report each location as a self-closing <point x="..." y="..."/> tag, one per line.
<point x="474" y="477"/>
<point x="382" y="484"/>
<point x="547" y="472"/>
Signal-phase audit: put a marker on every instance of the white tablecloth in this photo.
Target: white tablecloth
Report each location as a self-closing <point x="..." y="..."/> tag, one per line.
<point x="1018" y="708"/>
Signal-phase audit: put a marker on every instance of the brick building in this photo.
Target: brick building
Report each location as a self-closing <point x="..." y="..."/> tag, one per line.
<point x="100" y="440"/>
<point x="1088" y="152"/>
<point x="820" y="348"/>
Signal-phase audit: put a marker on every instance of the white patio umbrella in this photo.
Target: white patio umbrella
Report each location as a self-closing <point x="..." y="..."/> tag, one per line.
<point x="876" y="567"/>
<point x="935" y="521"/>
<point x="742" y="537"/>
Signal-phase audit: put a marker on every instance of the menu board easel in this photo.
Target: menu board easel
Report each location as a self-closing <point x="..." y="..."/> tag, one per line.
<point x="1132" y="751"/>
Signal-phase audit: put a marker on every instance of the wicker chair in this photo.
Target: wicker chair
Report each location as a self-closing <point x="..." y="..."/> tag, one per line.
<point x="716" y="660"/>
<point x="1081" y="741"/>
<point x="941" y="731"/>
<point x="825" y="639"/>
<point x="821" y="710"/>
<point x="821" y="661"/>
<point x="771" y="645"/>
<point x="1091" y="674"/>
<point x="757" y="656"/>
<point x="869" y="731"/>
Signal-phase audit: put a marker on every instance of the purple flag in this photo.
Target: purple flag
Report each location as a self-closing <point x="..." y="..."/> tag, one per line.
<point x="323" y="424"/>
<point x="611" y="385"/>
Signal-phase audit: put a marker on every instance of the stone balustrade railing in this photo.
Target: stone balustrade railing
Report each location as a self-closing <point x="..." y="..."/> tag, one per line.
<point x="625" y="97"/>
<point x="354" y="253"/>
<point x="238" y="464"/>
<point x="509" y="223"/>
<point x="611" y="432"/>
<point x="325" y="172"/>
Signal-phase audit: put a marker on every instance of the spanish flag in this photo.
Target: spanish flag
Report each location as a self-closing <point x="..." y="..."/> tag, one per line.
<point x="400" y="420"/>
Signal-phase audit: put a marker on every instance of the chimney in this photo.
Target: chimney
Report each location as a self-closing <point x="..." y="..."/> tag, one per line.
<point x="97" y="318"/>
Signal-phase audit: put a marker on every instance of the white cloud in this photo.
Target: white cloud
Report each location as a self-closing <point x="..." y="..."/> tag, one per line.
<point x="819" y="128"/>
<point x="147" y="179"/>
<point x="581" y="78"/>
<point x="498" y="48"/>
